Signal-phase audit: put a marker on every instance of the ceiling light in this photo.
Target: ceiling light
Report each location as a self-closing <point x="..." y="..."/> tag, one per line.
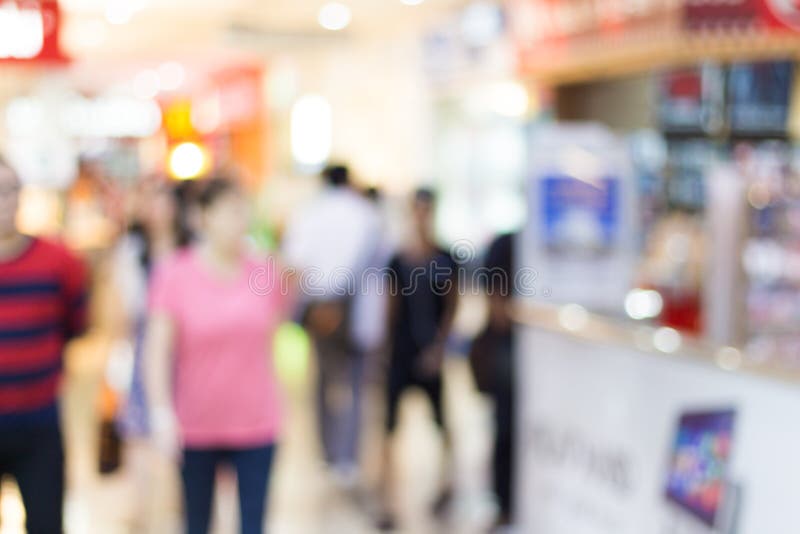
<point x="412" y="2"/>
<point x="334" y="16"/>
<point x="311" y="128"/>
<point x="21" y="32"/>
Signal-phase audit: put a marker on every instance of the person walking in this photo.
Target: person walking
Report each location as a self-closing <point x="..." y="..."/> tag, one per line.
<point x="500" y="260"/>
<point x="332" y="241"/>
<point x="159" y="227"/>
<point x="214" y="327"/>
<point x="423" y="300"/>
<point x="43" y="291"/>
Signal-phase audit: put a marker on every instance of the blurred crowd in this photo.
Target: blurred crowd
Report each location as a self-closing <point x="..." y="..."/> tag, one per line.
<point x="200" y="304"/>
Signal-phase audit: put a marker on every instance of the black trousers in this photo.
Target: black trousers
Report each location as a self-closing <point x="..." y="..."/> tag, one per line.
<point x="504" y="447"/>
<point x="402" y="377"/>
<point x="34" y="456"/>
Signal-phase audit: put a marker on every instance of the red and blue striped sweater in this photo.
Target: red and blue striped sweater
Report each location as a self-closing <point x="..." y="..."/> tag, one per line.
<point x="42" y="306"/>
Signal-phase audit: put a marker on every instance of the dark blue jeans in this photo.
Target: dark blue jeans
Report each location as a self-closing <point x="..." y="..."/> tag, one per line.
<point x="253" y="467"/>
<point x="34" y="456"/>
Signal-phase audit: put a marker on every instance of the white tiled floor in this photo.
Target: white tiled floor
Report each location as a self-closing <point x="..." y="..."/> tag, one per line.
<point x="303" y="498"/>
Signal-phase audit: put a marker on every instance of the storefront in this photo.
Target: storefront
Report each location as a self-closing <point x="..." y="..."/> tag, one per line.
<point x="695" y="91"/>
<point x="658" y="412"/>
<point x="82" y="137"/>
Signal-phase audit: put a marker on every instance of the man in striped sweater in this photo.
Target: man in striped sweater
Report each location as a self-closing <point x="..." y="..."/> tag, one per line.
<point x="42" y="307"/>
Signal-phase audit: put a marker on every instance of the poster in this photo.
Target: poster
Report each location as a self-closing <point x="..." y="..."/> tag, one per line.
<point x="582" y="223"/>
<point x="580" y="218"/>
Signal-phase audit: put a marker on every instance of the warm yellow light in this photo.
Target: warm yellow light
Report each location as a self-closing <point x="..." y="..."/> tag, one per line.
<point x="187" y="161"/>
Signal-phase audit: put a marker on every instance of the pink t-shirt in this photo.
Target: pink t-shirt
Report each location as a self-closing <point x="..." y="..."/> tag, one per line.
<point x="225" y="390"/>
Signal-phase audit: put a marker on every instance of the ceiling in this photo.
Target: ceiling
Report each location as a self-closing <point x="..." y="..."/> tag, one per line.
<point x="163" y="27"/>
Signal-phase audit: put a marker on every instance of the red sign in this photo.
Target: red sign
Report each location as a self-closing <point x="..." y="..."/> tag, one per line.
<point x="552" y="32"/>
<point x="29" y="31"/>
<point x="742" y="14"/>
<point x="559" y="20"/>
<point x="721" y="14"/>
<point x="783" y="13"/>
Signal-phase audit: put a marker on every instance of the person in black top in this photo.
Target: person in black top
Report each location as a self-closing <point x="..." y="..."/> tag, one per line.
<point x="500" y="258"/>
<point x="423" y="297"/>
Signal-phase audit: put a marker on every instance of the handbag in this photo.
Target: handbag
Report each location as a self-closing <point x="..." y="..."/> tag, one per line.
<point x="110" y="446"/>
<point x="482" y="360"/>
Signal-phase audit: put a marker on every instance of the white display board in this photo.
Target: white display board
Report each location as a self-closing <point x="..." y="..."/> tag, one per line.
<point x="580" y="235"/>
<point x="599" y="430"/>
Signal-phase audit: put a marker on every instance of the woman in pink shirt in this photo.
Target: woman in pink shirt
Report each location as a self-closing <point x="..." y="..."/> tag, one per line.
<point x="213" y="390"/>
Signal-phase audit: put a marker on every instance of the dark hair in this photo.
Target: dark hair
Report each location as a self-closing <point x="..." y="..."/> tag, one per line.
<point x="373" y="193"/>
<point x="336" y="175"/>
<point x="214" y="189"/>
<point x="183" y="197"/>
<point x="425" y="195"/>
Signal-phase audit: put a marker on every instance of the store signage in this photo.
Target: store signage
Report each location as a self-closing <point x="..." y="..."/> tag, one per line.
<point x="110" y="116"/>
<point x="545" y="31"/>
<point x="29" y="31"/>
<point x="239" y="91"/>
<point x="741" y="14"/>
<point x="560" y="20"/>
<point x="550" y="35"/>
<point x="581" y="229"/>
<point x="785" y="13"/>
<point x="614" y="440"/>
<point x="721" y="14"/>
<point x="232" y="98"/>
<point x="555" y="20"/>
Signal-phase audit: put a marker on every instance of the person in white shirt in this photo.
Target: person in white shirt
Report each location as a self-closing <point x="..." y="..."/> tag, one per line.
<point x="332" y="241"/>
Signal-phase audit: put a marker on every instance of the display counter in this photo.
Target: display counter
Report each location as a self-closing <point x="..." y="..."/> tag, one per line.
<point x="630" y="429"/>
